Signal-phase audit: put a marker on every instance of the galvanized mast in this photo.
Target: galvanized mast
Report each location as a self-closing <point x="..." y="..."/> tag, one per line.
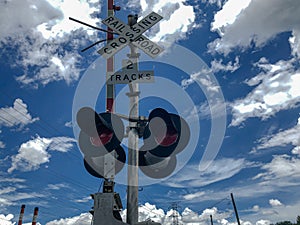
<point x="133" y="138"/>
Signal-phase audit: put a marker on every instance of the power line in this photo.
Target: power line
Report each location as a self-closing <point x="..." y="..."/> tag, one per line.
<point x="60" y="141"/>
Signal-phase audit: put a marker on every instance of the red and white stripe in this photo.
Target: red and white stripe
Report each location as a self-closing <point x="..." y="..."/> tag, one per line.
<point x="35" y="215"/>
<point x="21" y="215"/>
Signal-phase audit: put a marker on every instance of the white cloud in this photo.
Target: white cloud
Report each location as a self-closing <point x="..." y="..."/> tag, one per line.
<point x="190" y="217"/>
<point x="296" y="150"/>
<point x="205" y="79"/>
<point x="85" y="199"/>
<point x="17" y="115"/>
<point x="12" y="180"/>
<point x="57" y="186"/>
<point x="255" y="208"/>
<point x="13" y="197"/>
<point x="283" y="138"/>
<point x="82" y="219"/>
<point x="205" y="111"/>
<point x="295" y="43"/>
<point x="241" y="22"/>
<point x="274" y="202"/>
<point x="7" y="190"/>
<point x="194" y="195"/>
<point x="33" y="154"/>
<point x="228" y="14"/>
<point x="69" y="124"/>
<point x="46" y="43"/>
<point x="179" y="18"/>
<point x="149" y="211"/>
<point x="284" y="167"/>
<point x="217" y="65"/>
<point x="2" y="144"/>
<point x="276" y="89"/>
<point x="6" y="219"/>
<point x="263" y="222"/>
<point x="40" y="11"/>
<point x="217" y="2"/>
<point x="220" y="169"/>
<point x="61" y="144"/>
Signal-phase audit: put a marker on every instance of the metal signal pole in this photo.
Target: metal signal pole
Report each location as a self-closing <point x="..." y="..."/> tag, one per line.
<point x="110" y="88"/>
<point x="133" y="139"/>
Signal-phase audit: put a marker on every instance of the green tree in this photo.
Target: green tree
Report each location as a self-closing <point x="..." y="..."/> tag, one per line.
<point x="298" y="220"/>
<point x="285" y="223"/>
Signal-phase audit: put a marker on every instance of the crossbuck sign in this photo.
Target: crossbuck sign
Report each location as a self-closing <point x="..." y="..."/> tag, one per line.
<point x="132" y="35"/>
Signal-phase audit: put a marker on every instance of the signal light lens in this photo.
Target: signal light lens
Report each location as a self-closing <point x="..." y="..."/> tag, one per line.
<point x="104" y="136"/>
<point x="168" y="139"/>
<point x="163" y="131"/>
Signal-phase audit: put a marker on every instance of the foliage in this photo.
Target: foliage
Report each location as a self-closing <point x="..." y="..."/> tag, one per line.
<point x="289" y="222"/>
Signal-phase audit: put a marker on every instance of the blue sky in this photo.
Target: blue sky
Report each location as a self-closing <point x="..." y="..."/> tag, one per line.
<point x="234" y="77"/>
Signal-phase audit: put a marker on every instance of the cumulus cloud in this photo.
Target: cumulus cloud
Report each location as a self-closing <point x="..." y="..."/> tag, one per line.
<point x="16" y="115"/>
<point x="217" y="65"/>
<point x="276" y="89"/>
<point x="33" y="153"/>
<point x="274" y="202"/>
<point x="187" y="216"/>
<point x="212" y="2"/>
<point x="46" y="43"/>
<point x="179" y="19"/>
<point x="82" y="219"/>
<point x="240" y="23"/>
<point x="6" y="219"/>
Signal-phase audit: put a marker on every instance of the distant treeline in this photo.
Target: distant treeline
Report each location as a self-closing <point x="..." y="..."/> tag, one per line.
<point x="289" y="222"/>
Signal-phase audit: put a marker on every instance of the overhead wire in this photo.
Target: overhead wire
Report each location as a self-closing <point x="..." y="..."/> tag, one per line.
<point x="45" y="128"/>
<point x="49" y="170"/>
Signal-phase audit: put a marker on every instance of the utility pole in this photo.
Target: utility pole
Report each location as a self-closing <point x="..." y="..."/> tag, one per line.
<point x="133" y="137"/>
<point x="235" y="210"/>
<point x="211" y="220"/>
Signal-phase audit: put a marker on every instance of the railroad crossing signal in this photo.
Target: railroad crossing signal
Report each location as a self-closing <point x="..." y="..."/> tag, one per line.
<point x="99" y="139"/>
<point x="132" y="35"/>
<point x="164" y="135"/>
